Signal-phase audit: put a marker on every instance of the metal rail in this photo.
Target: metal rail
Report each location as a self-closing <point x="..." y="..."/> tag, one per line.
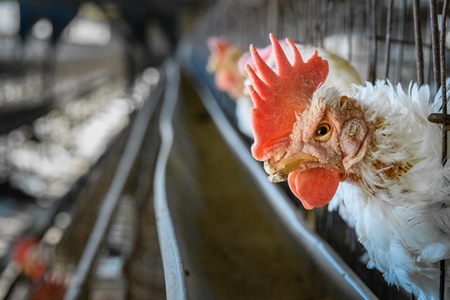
<point x="112" y="197"/>
<point x="173" y="269"/>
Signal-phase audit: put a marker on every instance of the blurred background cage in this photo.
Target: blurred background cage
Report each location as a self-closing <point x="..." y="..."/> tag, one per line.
<point x="378" y="37"/>
<point x="75" y="78"/>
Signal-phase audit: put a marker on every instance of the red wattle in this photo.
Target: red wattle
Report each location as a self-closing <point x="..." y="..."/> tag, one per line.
<point x="314" y="187"/>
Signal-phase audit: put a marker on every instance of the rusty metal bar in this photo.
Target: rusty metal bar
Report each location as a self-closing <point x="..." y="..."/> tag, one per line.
<point x="418" y="40"/>
<point x="439" y="118"/>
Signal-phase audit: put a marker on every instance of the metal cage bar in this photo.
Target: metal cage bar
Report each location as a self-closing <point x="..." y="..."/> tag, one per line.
<point x="444" y="112"/>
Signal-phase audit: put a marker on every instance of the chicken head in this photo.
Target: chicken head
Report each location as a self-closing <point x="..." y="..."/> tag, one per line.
<point x="223" y="62"/>
<point x="305" y="132"/>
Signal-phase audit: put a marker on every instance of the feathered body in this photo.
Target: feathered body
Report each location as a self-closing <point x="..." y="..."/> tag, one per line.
<point x="370" y="152"/>
<point x="397" y="196"/>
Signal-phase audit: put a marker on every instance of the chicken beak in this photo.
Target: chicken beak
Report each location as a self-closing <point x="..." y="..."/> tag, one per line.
<point x="279" y="169"/>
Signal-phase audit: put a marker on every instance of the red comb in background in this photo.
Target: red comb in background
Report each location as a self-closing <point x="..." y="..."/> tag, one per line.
<point x="218" y="45"/>
<point x="279" y="95"/>
<point x="25" y="254"/>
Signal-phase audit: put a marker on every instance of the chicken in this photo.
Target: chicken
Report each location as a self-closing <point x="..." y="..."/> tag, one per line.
<point x="371" y="151"/>
<point x="34" y="263"/>
<point x="228" y="63"/>
<point x="28" y="257"/>
<point x="224" y="63"/>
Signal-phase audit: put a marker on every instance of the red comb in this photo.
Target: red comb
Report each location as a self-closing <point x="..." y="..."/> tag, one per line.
<point x="279" y="95"/>
<point x="218" y="45"/>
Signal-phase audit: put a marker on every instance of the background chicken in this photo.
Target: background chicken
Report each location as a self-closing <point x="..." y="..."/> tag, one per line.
<point x="29" y="258"/>
<point x="224" y="63"/>
<point x="371" y="152"/>
<point x="228" y="62"/>
<point x="34" y="263"/>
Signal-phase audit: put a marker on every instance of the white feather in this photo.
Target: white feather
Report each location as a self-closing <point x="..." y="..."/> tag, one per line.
<point x="244" y="106"/>
<point x="404" y="222"/>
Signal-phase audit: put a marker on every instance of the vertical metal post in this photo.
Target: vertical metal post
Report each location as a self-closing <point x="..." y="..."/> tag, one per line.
<point x="372" y="9"/>
<point x="443" y="78"/>
<point x="444" y="112"/>
<point x="418" y="40"/>
<point x="435" y="42"/>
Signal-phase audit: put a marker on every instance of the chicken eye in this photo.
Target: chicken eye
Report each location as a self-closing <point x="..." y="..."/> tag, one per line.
<point x="323" y="132"/>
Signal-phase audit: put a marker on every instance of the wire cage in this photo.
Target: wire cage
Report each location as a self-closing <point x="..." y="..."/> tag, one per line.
<point x="377" y="37"/>
<point x="403" y="41"/>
